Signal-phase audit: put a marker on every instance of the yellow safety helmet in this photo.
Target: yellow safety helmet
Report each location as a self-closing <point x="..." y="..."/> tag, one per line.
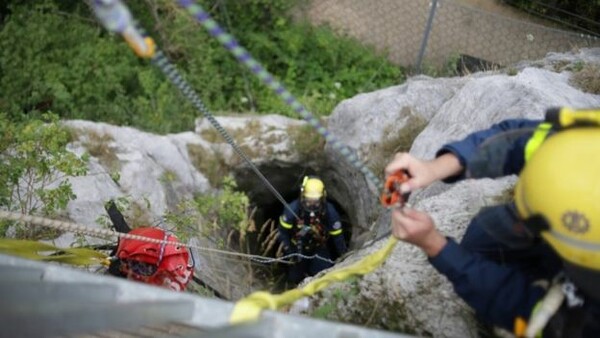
<point x="312" y="193"/>
<point x="312" y="188"/>
<point x="560" y="188"/>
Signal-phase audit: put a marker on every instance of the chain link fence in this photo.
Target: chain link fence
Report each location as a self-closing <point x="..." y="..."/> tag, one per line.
<point x="435" y="32"/>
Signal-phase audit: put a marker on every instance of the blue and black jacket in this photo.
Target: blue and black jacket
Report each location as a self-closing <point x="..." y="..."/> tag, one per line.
<point x="289" y="226"/>
<point x="497" y="292"/>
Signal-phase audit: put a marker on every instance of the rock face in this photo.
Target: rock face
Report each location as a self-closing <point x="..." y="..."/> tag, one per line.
<point x="410" y="295"/>
<point x="155" y="173"/>
<point x="406" y="294"/>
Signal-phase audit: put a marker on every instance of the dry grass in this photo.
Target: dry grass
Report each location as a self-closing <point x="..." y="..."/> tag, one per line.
<point x="212" y="165"/>
<point x="400" y="141"/>
<point x="306" y="142"/>
<point x="588" y="78"/>
<point x="99" y="147"/>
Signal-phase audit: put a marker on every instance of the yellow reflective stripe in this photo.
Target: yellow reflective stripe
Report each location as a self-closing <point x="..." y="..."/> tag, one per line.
<point x="284" y="224"/>
<point x="536" y="140"/>
<point x="335" y="232"/>
<point x="249" y="308"/>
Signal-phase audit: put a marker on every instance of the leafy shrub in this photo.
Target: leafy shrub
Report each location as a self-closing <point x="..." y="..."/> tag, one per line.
<point x="34" y="167"/>
<point x="69" y="64"/>
<point x="212" y="215"/>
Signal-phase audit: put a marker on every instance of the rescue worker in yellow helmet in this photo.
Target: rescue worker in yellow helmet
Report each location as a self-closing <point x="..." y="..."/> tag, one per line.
<point x="551" y="232"/>
<point x="317" y="224"/>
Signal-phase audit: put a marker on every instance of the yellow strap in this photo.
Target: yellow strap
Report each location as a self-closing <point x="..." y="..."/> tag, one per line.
<point x="536" y="140"/>
<point x="249" y="308"/>
<point x="46" y="252"/>
<point x="284" y="224"/>
<point x="568" y="117"/>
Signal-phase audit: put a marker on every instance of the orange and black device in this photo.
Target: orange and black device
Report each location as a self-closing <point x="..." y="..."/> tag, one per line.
<point x="391" y="194"/>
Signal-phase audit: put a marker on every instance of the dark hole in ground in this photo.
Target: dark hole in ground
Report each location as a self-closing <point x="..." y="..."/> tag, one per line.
<point x="268" y="207"/>
<point x="467" y="65"/>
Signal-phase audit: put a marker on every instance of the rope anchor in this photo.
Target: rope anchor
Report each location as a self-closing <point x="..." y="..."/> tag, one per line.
<point x="115" y="17"/>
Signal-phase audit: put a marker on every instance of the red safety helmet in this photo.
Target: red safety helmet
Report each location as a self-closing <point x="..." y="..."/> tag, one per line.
<point x="159" y="264"/>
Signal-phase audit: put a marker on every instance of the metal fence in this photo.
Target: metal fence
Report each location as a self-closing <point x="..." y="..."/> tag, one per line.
<point x="431" y="32"/>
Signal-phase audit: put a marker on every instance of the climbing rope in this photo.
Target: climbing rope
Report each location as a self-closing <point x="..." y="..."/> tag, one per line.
<point x="161" y="61"/>
<point x="104" y="233"/>
<point x="115" y="16"/>
<point x="250" y="307"/>
<point x="244" y="57"/>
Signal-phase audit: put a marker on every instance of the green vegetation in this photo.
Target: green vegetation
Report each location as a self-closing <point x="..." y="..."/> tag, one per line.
<point x="34" y="170"/>
<point x="54" y="55"/>
<point x="213" y="215"/>
<point x="136" y="212"/>
<point x="348" y="289"/>
<point x="345" y="303"/>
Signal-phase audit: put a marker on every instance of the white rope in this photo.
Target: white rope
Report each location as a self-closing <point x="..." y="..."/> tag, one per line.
<point x="105" y="233"/>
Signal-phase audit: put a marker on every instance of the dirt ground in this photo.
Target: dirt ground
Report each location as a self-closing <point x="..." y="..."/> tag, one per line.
<point x="483" y="29"/>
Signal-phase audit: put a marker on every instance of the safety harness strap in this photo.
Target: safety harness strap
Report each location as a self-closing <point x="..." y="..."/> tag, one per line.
<point x="539" y="136"/>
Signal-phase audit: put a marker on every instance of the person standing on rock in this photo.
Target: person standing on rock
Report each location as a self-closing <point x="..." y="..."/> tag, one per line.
<point x="308" y="234"/>
<point x="533" y="265"/>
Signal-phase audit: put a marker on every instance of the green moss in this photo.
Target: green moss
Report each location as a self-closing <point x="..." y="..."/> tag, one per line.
<point x="511" y="71"/>
<point x="168" y="177"/>
<point x="211" y="135"/>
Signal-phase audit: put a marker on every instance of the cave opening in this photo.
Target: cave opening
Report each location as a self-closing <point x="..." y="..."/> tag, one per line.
<point x="268" y="208"/>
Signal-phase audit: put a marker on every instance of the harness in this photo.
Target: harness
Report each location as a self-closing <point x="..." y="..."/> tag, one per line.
<point x="310" y="232"/>
<point x="559" y="314"/>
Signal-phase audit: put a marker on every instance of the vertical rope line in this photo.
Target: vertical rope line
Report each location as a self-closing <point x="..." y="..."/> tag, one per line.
<point x="161" y="61"/>
<point x="244" y="57"/>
